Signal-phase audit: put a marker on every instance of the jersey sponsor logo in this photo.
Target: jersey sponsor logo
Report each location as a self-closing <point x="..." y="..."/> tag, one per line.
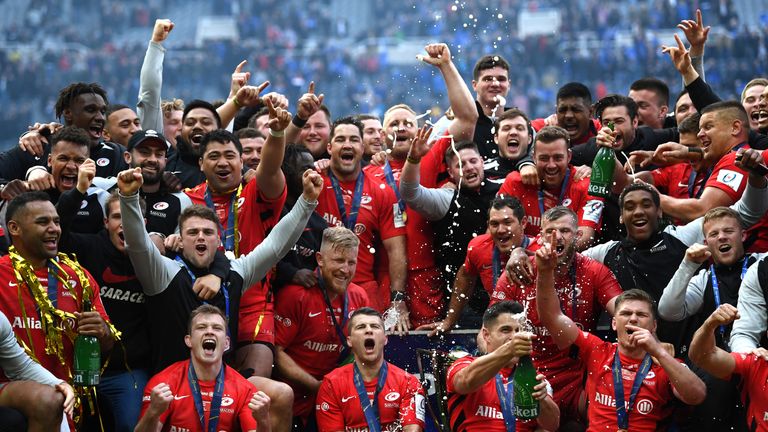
<point x="499" y="295"/>
<point x="490" y="412"/>
<point x="534" y="220"/>
<point x="730" y="178"/>
<point x="321" y="347"/>
<point x="284" y="321"/>
<point x="28" y="323"/>
<point x="177" y="397"/>
<point x="366" y="199"/>
<point x="227" y="401"/>
<point x="324" y="406"/>
<point x="102" y="162"/>
<point x="111" y="278"/>
<point x="345" y="399"/>
<point x="162" y="205"/>
<point x="314" y="314"/>
<point x="392" y="396"/>
<point x="83" y="204"/>
<point x="179" y="429"/>
<point x="121" y="295"/>
<point x="593" y="210"/>
<point x="157" y="214"/>
<point x="682" y="184"/>
<point x="644" y="406"/>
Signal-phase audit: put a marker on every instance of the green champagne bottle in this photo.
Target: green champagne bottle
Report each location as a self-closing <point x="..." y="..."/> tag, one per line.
<point x="526" y="406"/>
<point x="87" y="357"/>
<point x="601" y="180"/>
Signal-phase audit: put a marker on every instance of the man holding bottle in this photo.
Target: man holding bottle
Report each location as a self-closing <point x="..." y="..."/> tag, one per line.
<point x="479" y="389"/>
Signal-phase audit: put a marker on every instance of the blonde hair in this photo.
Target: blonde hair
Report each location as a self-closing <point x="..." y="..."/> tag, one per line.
<point x="393" y="108"/>
<point x="169" y="106"/>
<point x="339" y="238"/>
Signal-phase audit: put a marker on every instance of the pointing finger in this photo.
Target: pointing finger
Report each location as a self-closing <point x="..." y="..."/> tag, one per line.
<point x="239" y="67"/>
<point x="271" y="108"/>
<point x="311" y="87"/>
<point x="262" y="86"/>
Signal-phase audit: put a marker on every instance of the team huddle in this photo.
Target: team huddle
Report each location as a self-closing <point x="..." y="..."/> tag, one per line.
<point x="240" y="267"/>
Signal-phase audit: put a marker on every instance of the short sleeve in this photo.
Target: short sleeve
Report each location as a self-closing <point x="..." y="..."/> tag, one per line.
<point x="744" y="364"/>
<point x="457" y="366"/>
<point x="587" y="342"/>
<point x="413" y="404"/>
<point x="328" y="412"/>
<point x="474" y="252"/>
<point x="605" y="282"/>
<point x="728" y="178"/>
<point x="288" y="316"/>
<point x="590" y="208"/>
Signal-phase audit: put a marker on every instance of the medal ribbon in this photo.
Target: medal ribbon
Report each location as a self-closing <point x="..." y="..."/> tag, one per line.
<point x="716" y="285"/>
<point x="393" y="185"/>
<point x="344" y="316"/>
<point x="213" y="416"/>
<point x="563" y="189"/>
<point x="350" y="220"/>
<point x="229" y="236"/>
<point x="622" y="411"/>
<point x="507" y="401"/>
<point x="370" y="408"/>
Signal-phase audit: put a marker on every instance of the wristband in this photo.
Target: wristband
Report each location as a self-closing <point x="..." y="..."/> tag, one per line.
<point x="236" y="102"/>
<point x="412" y="159"/>
<point x="698" y="150"/>
<point x="277" y="134"/>
<point x="397" y="296"/>
<point x="298" y="122"/>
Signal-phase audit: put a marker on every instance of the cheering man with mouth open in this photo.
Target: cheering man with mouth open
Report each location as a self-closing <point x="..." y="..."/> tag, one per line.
<point x="177" y="395"/>
<point x="370" y="391"/>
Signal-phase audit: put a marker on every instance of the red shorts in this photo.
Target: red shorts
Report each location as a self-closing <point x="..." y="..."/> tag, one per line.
<point x="257" y="317"/>
<point x="426" y="298"/>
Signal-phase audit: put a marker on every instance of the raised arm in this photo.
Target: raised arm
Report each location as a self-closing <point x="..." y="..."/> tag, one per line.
<point x="433" y="204"/>
<point x="309" y="103"/>
<point x="462" y="126"/>
<point x="686" y="386"/>
<point x="704" y="353"/>
<point x="684" y="294"/>
<point x="245" y="96"/>
<point x="484" y="368"/>
<point x="269" y="176"/>
<point x="283" y="236"/>
<point x="562" y="329"/>
<point x="153" y="270"/>
<point x="149" y="107"/>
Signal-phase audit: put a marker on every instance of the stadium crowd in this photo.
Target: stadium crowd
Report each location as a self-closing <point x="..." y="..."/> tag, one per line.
<point x="240" y="264"/>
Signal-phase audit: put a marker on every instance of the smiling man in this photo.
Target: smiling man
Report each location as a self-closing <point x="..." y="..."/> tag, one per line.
<point x="310" y="321"/>
<point x="552" y="156"/>
<point x="81" y="105"/>
<point x="69" y="152"/>
<point x="360" y="201"/>
<point x="246" y="213"/>
<point x="370" y="391"/>
<point x="175" y="398"/>
<point x="689" y="293"/>
<point x="170" y="284"/>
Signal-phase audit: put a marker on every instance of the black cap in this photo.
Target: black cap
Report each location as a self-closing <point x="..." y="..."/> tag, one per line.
<point x="149" y="135"/>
